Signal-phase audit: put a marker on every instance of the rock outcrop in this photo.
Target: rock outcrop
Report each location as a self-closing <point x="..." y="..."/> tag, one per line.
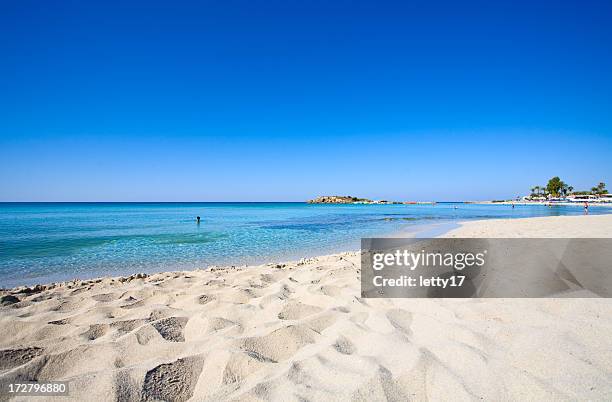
<point x="338" y="199"/>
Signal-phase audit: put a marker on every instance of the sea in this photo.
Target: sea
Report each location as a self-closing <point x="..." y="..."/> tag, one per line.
<point x="51" y="242"/>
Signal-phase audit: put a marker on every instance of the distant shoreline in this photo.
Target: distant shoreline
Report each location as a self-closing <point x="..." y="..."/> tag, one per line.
<point x="542" y="203"/>
<point x="487" y="202"/>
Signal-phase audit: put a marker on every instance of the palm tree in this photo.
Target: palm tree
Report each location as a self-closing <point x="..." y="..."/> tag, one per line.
<point x="601" y="188"/>
<point x="565" y="190"/>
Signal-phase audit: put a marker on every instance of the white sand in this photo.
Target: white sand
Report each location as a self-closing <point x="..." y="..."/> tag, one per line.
<point x="594" y="226"/>
<point x="301" y="331"/>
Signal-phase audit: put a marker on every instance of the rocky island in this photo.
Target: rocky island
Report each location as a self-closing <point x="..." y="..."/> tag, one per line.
<point x="347" y="199"/>
<point x="338" y="199"/>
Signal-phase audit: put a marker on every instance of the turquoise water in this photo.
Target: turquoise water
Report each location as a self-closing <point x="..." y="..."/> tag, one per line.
<point x="45" y="242"/>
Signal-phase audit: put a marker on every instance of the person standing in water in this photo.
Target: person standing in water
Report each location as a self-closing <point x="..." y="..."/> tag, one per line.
<point x="198" y="219"/>
<point x="586" y="208"/>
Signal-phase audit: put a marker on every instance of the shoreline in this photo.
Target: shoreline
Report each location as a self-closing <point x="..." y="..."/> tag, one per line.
<point x="151" y="240"/>
<point x="420" y="230"/>
<point x="542" y="203"/>
<point x="425" y="230"/>
<point x="467" y="228"/>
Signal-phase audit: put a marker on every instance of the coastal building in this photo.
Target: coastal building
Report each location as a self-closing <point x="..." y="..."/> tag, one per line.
<point x="605" y="198"/>
<point x="572" y="198"/>
<point x="583" y="198"/>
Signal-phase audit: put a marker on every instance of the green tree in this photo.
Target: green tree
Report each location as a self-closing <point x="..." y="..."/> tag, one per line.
<point x="555" y="186"/>
<point x="601" y="188"/>
<point x="564" y="190"/>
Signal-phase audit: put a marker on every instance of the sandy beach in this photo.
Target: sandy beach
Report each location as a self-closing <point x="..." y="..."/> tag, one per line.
<point x="300" y="331"/>
<point x="585" y="226"/>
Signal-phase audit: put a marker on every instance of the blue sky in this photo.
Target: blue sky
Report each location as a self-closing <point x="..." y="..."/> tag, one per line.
<point x="283" y="101"/>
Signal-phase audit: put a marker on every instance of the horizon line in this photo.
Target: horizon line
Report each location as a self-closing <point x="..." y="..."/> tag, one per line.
<point x="203" y="202"/>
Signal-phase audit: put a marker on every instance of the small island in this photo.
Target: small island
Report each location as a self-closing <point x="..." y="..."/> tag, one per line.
<point x="339" y="199"/>
<point x="347" y="199"/>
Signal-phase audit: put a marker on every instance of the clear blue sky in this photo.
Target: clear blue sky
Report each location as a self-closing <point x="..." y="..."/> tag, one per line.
<point x="283" y="101"/>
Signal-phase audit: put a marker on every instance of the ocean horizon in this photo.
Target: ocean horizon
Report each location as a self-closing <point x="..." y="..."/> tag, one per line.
<point x="57" y="241"/>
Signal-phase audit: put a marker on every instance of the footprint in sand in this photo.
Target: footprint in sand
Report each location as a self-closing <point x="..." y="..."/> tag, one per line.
<point x="63" y="321"/>
<point x="126" y="388"/>
<point x="126" y="326"/>
<point x="41" y="298"/>
<point x="8" y="300"/>
<point x="239" y="366"/>
<point x="319" y="324"/>
<point x="171" y="329"/>
<point x="344" y="346"/>
<point x="105" y="297"/>
<point x="401" y="320"/>
<point x="95" y="331"/>
<point x="204" y="299"/>
<point x="139" y="303"/>
<point x="10" y="358"/>
<point x="218" y="323"/>
<point x="278" y="345"/>
<point x="165" y="312"/>
<point x="383" y="385"/>
<point x="79" y="291"/>
<point x="284" y="293"/>
<point x="172" y="381"/>
<point x="67" y="305"/>
<point x="145" y="334"/>
<point x="272" y="278"/>
<point x="330" y="290"/>
<point x="296" y="310"/>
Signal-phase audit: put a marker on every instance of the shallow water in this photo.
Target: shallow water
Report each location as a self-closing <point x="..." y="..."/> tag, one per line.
<point x="44" y="242"/>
